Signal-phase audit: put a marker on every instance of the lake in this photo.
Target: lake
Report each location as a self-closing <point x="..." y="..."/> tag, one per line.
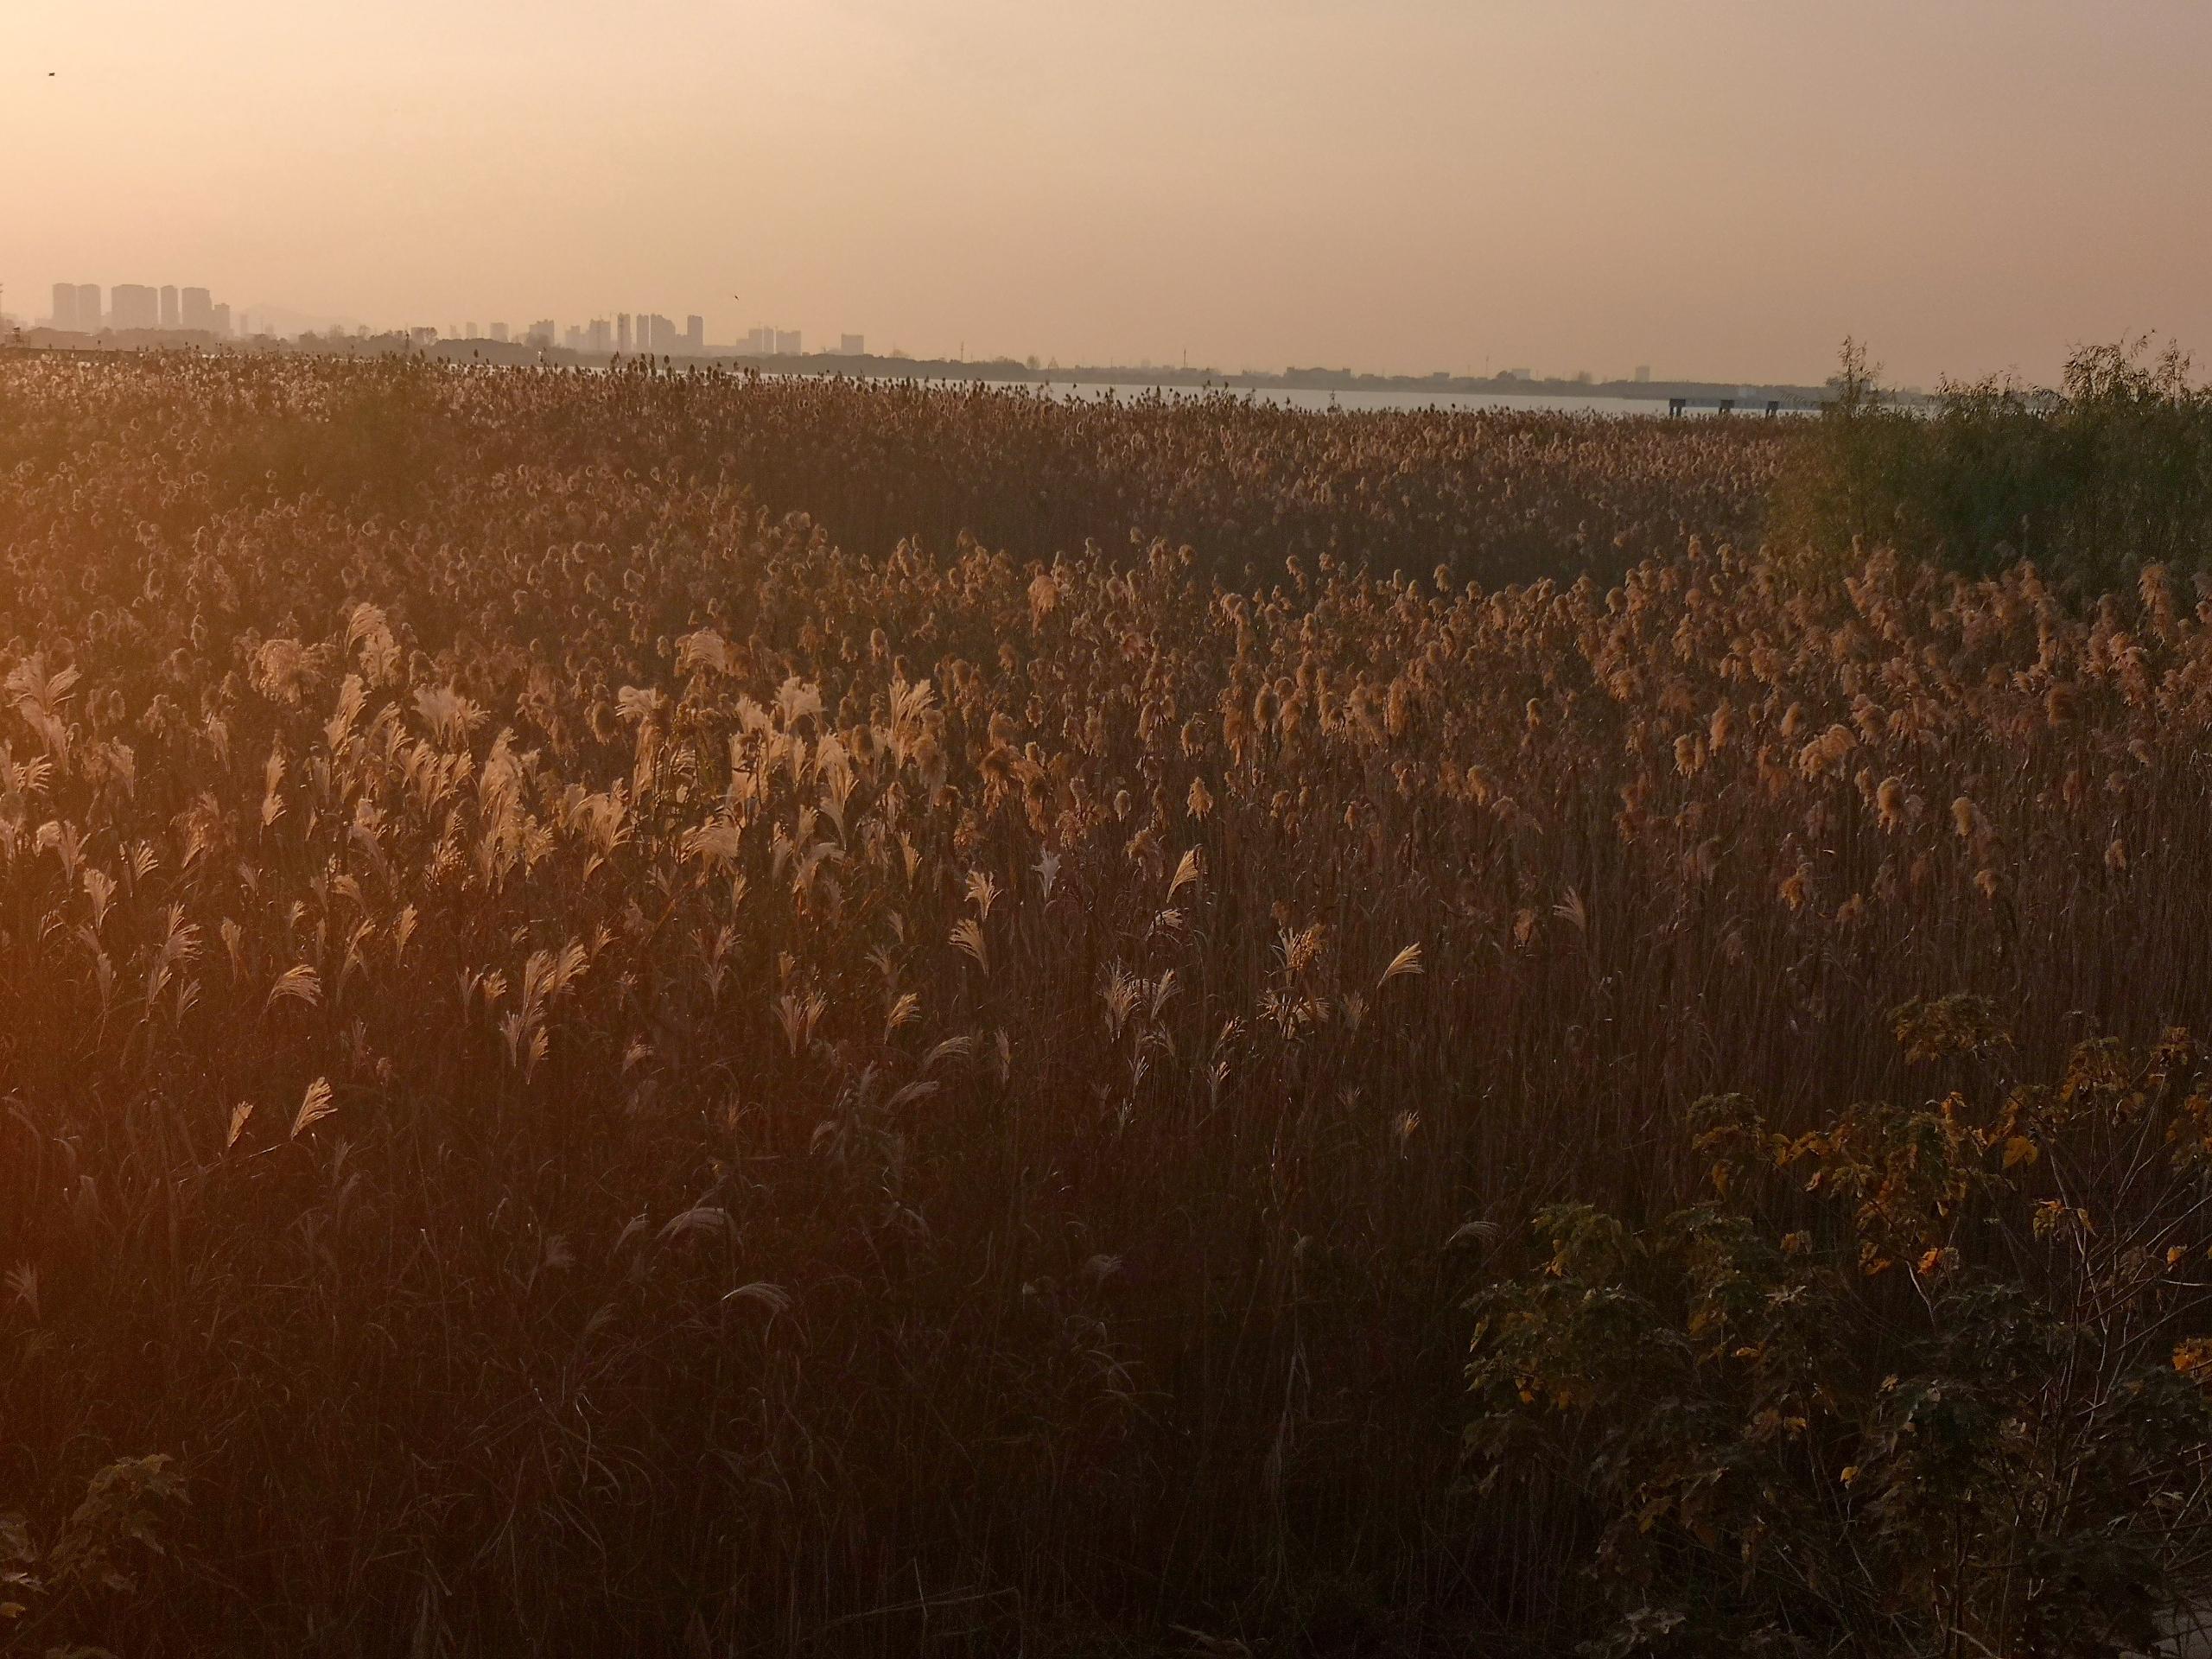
<point x="1364" y="399"/>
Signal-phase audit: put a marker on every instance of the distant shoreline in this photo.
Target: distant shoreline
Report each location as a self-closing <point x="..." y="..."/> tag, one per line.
<point x="868" y="366"/>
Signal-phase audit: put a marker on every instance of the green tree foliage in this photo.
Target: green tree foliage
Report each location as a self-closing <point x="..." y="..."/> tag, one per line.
<point x="2094" y="480"/>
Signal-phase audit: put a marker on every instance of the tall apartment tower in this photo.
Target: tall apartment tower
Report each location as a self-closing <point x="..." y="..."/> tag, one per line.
<point x="172" y="313"/>
<point x="88" y="307"/>
<point x="695" y="335"/>
<point x="196" y="309"/>
<point x="852" y="345"/>
<point x="499" y="334"/>
<point x="787" y="342"/>
<point x="622" y="331"/>
<point x="65" y="307"/>
<point x="136" y="306"/>
<point x="219" y="321"/>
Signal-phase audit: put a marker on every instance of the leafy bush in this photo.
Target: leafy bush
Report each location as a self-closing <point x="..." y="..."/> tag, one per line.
<point x="2109" y="472"/>
<point x="89" y="1565"/>
<point x="1928" y="1380"/>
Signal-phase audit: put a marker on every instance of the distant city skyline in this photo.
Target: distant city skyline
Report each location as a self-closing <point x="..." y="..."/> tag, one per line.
<point x="1400" y="185"/>
<point x="76" y="307"/>
<point x="140" y="306"/>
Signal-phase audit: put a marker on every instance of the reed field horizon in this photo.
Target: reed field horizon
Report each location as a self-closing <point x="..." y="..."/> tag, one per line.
<point x="687" y="1012"/>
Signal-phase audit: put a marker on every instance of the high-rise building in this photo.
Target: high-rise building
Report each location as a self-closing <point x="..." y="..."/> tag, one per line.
<point x="1643" y="374"/>
<point x="136" y="306"/>
<point x="760" y="342"/>
<point x="88" y="307"/>
<point x="65" y="307"/>
<point x="600" y="337"/>
<point x="787" y="342"/>
<point x="474" y="332"/>
<point x="196" y="309"/>
<point x="622" y="331"/>
<point x="221" y="320"/>
<point x="499" y="332"/>
<point x="541" y="333"/>
<point x="172" y="315"/>
<point x="852" y="345"/>
<point x="573" y="338"/>
<point x="695" y="335"/>
<point x="655" y="334"/>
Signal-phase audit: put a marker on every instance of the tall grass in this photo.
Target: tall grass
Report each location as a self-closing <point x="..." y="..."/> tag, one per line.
<point x="601" y="1066"/>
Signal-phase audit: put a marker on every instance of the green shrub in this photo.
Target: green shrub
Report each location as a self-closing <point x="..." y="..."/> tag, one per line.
<point x="83" y="1575"/>
<point x="1930" y="1380"/>
<point x="2109" y="472"/>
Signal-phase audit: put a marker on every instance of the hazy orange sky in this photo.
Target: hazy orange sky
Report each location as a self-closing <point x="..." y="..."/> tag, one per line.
<point x="1715" y="190"/>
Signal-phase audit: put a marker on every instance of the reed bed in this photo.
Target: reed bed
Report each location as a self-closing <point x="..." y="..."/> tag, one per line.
<point x="674" y="1012"/>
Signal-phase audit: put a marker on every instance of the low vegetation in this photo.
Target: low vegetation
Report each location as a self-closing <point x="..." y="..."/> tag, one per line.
<point x="1892" y="1386"/>
<point x="684" y="1014"/>
<point x="2093" y="480"/>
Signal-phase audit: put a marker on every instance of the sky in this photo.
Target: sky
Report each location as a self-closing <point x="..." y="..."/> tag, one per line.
<point x="1720" y="190"/>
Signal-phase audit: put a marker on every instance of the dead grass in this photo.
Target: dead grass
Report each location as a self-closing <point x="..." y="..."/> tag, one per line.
<point x="606" y="1069"/>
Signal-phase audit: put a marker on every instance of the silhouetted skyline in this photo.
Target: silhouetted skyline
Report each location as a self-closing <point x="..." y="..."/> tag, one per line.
<point x="1720" y="188"/>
